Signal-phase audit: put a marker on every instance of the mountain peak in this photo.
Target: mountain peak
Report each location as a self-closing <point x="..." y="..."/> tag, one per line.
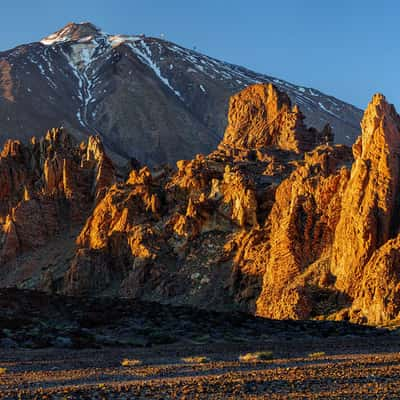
<point x="72" y="31"/>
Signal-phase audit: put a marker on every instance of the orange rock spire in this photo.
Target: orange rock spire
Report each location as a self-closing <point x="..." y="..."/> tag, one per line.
<point x="370" y="201"/>
<point x="262" y="116"/>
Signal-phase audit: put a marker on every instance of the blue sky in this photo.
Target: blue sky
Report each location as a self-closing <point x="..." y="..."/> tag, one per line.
<point x="347" y="48"/>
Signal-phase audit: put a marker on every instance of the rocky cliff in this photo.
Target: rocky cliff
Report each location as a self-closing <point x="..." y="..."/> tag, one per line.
<point x="261" y="116"/>
<point x="49" y="187"/>
<point x="367" y="270"/>
<point x="335" y="233"/>
<point x="370" y="202"/>
<point x="277" y="221"/>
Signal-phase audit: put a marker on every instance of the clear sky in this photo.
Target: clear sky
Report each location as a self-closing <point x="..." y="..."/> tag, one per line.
<point x="347" y="48"/>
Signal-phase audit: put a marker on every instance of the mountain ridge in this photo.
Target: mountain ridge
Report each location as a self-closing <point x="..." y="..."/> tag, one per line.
<point x="146" y="97"/>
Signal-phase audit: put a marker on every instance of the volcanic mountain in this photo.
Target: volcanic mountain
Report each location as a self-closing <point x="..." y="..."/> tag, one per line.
<point x="146" y="98"/>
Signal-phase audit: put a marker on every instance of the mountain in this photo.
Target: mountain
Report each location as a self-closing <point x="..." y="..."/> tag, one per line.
<point x="277" y="221"/>
<point x="146" y="98"/>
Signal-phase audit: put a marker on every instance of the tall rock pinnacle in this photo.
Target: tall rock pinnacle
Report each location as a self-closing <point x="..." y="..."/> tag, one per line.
<point x="369" y="202"/>
<point x="262" y="116"/>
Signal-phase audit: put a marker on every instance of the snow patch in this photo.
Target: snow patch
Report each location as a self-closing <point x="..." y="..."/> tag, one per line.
<point x="58" y="37"/>
<point x="145" y="55"/>
<point x="85" y="39"/>
<point x="116" y="40"/>
<point x="80" y="60"/>
<point x="328" y="111"/>
<point x="43" y="72"/>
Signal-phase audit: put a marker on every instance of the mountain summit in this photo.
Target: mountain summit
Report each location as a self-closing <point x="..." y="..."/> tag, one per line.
<point x="145" y="97"/>
<point x="71" y="32"/>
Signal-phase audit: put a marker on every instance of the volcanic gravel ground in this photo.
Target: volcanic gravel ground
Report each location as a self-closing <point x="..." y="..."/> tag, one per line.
<point x="352" y="368"/>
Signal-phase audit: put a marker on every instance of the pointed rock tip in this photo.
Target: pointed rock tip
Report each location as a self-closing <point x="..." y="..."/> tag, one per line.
<point x="266" y="90"/>
<point x="380" y="106"/>
<point x="85" y="24"/>
<point x="378" y="98"/>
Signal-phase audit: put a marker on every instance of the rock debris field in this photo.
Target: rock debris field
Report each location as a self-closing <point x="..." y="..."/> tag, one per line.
<point x="348" y="370"/>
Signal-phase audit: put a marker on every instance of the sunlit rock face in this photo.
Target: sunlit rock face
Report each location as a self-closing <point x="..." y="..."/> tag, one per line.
<point x="365" y="251"/>
<point x="333" y="230"/>
<point x="302" y="224"/>
<point x="46" y="186"/>
<point x="152" y="223"/>
<point x="262" y="116"/>
<point x="277" y="222"/>
<point x="377" y="295"/>
<point x="370" y="203"/>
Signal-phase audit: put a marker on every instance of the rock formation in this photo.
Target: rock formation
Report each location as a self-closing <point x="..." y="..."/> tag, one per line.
<point x="46" y="186"/>
<point x="276" y="222"/>
<point x="156" y="222"/>
<point x="302" y="225"/>
<point x="366" y="247"/>
<point x="370" y="202"/>
<point x="262" y="116"/>
<point x="377" y="295"/>
<point x="331" y="248"/>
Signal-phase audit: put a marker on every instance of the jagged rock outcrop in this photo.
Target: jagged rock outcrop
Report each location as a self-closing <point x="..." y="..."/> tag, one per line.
<point x="302" y="225"/>
<point x="370" y="203"/>
<point x="331" y="250"/>
<point x="143" y="229"/>
<point x="377" y="295"/>
<point x="47" y="186"/>
<point x="262" y="116"/>
<point x="273" y="235"/>
<point x="258" y="225"/>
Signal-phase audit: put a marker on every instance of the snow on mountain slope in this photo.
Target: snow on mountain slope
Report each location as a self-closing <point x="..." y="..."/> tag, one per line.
<point x="148" y="98"/>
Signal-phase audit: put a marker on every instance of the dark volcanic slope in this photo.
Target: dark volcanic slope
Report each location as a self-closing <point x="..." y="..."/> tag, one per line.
<point x="146" y="97"/>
